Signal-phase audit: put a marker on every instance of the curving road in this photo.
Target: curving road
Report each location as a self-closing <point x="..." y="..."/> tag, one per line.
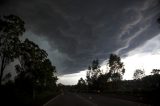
<point x="71" y="99"/>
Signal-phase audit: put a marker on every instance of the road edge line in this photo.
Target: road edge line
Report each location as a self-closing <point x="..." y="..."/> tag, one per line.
<point x="86" y="100"/>
<point x="51" y="100"/>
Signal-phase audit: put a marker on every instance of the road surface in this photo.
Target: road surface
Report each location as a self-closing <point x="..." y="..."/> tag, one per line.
<point x="72" y="99"/>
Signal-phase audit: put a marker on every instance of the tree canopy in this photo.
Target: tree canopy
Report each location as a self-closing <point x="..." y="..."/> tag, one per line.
<point x="93" y="74"/>
<point x="138" y="74"/>
<point x="116" y="67"/>
<point x="96" y="80"/>
<point x="35" y="67"/>
<point x="11" y="27"/>
<point x="155" y="71"/>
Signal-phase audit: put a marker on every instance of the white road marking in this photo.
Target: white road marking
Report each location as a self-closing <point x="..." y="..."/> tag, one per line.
<point x="52" y="100"/>
<point x="89" y="102"/>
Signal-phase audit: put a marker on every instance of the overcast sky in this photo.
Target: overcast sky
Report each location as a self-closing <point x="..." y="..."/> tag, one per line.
<point x="74" y="32"/>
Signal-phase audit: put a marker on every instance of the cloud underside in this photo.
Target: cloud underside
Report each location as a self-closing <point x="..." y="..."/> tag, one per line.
<point x="75" y="32"/>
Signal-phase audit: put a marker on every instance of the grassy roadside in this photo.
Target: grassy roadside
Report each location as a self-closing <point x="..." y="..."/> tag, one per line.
<point x="150" y="98"/>
<point x="18" y="97"/>
<point x="43" y="98"/>
<point x="147" y="97"/>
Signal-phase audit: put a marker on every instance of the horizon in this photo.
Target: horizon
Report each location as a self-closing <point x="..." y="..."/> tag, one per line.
<point x="143" y="60"/>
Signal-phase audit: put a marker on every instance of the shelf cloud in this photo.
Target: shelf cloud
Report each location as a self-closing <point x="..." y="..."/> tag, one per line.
<point x="74" y="32"/>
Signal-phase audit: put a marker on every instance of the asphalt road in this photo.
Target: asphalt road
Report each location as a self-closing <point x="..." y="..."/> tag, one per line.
<point x="71" y="99"/>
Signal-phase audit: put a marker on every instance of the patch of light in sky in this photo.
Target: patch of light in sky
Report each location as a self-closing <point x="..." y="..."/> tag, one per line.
<point x="72" y="79"/>
<point x="140" y="61"/>
<point x="145" y="57"/>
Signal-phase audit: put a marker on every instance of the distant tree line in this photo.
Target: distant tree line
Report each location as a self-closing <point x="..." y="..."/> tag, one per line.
<point x="144" y="88"/>
<point x="97" y="81"/>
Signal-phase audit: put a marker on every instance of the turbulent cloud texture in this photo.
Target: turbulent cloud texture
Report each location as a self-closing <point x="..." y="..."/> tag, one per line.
<point x="74" y="32"/>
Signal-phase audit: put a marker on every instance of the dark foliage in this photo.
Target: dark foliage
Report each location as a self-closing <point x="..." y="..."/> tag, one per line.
<point x="35" y="78"/>
<point x="11" y="27"/>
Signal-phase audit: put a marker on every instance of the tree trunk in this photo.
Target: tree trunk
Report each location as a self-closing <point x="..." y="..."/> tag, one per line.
<point x="34" y="94"/>
<point x="2" y="70"/>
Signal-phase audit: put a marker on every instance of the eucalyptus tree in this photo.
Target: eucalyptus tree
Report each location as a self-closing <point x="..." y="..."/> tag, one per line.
<point x="81" y="85"/>
<point x="35" y="67"/>
<point x="11" y="28"/>
<point x="138" y="74"/>
<point x="117" y="69"/>
<point x="93" y="74"/>
<point x="155" y="71"/>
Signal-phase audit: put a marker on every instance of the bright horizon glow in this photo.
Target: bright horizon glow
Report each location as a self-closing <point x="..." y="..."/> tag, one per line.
<point x="146" y="57"/>
<point x="140" y="61"/>
<point x="71" y="79"/>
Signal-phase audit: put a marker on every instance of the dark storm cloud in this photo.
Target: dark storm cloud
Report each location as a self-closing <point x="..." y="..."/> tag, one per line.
<point x="74" y="32"/>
